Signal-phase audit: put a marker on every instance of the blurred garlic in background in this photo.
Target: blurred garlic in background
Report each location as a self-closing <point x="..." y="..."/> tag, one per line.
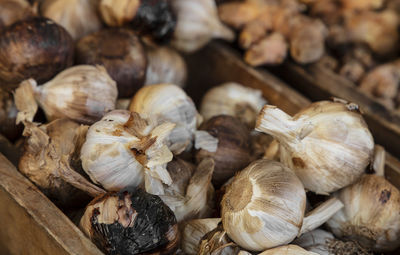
<point x="14" y="10"/>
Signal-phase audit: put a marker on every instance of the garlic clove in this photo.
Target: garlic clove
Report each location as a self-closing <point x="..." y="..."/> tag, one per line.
<point x="288" y="250"/>
<point x="193" y="231"/>
<point x="328" y="139"/>
<point x="197" y="24"/>
<point x="232" y="99"/>
<point x="168" y="103"/>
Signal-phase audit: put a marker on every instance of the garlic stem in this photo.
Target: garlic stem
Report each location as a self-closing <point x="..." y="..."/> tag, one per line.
<point x="379" y="160"/>
<point x="25" y="101"/>
<point x="222" y="32"/>
<point x="272" y="151"/>
<point x="320" y="215"/>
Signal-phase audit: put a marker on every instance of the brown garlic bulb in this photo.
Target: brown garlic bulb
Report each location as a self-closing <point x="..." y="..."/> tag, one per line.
<point x="327" y="144"/>
<point x="8" y="115"/>
<point x="232" y="152"/>
<point x="37" y="48"/>
<point x="50" y="158"/>
<point x="78" y="17"/>
<point x="370" y="214"/>
<point x="121" y="53"/>
<point x="14" y="10"/>
<point x="131" y="222"/>
<point x="165" y="65"/>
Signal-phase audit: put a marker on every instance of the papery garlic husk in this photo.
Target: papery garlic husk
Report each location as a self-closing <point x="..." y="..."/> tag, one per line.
<point x="233" y="99"/>
<point x="288" y="250"/>
<point x="81" y="93"/>
<point x="370" y="215"/>
<point x="165" y="65"/>
<point x="36" y="48"/>
<point x="120" y="51"/>
<point x="217" y="242"/>
<point x="232" y="150"/>
<point x="49" y="161"/>
<point x="14" y="10"/>
<point x="193" y="231"/>
<point x="327" y="144"/>
<point x="169" y="103"/>
<point x="197" y="24"/>
<point x="195" y="200"/>
<point x="324" y="243"/>
<point x="264" y="207"/>
<point x="131" y="222"/>
<point x="78" y="17"/>
<point x="123" y="149"/>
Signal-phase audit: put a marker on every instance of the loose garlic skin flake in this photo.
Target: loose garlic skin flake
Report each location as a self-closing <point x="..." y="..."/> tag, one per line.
<point x="264" y="206"/>
<point x="328" y="144"/>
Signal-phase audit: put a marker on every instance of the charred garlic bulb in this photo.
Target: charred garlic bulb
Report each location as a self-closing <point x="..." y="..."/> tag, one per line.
<point x="370" y="214"/>
<point x="121" y="53"/>
<point x="14" y="10"/>
<point x="82" y="93"/>
<point x="123" y="149"/>
<point x="198" y="23"/>
<point x="193" y="231"/>
<point x="327" y="144"/>
<point x="133" y="222"/>
<point x="169" y="103"/>
<point x="37" y="48"/>
<point x="264" y="207"/>
<point x="233" y="99"/>
<point x="165" y="65"/>
<point x="231" y="150"/>
<point x="78" y="17"/>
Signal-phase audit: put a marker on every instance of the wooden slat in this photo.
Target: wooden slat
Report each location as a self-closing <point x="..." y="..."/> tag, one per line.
<point x="32" y="224"/>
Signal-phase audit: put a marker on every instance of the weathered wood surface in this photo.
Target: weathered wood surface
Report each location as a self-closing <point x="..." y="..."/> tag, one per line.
<point x="32" y="224"/>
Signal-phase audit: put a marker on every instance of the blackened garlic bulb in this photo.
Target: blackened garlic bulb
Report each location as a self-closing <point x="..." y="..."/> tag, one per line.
<point x="233" y="99"/>
<point x="327" y="144"/>
<point x="370" y="214"/>
<point x="131" y="222"/>
<point x="123" y="149"/>
<point x="197" y="24"/>
<point x="81" y="93"/>
<point x="78" y="17"/>
<point x="169" y="103"/>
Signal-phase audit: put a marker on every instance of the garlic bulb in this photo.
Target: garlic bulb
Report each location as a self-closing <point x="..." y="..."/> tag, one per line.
<point x="370" y="214"/>
<point x="193" y="231"/>
<point x="264" y="207"/>
<point x="232" y="152"/>
<point x="123" y="149"/>
<point x="131" y="222"/>
<point x="78" y="17"/>
<point x="194" y="201"/>
<point x="287" y="250"/>
<point x="49" y="161"/>
<point x="168" y="102"/>
<point x="198" y="23"/>
<point x="81" y="93"/>
<point x="233" y="99"/>
<point x="14" y="10"/>
<point x="165" y="65"/>
<point x="327" y="144"/>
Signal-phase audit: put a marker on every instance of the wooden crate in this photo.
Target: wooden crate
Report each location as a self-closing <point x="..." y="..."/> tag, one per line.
<point x="31" y="224"/>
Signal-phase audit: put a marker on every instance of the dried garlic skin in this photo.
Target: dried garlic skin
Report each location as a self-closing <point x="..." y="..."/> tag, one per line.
<point x="217" y="242"/>
<point x="131" y="222"/>
<point x="288" y="250"/>
<point x="78" y="17"/>
<point x="169" y="103"/>
<point x="327" y="144"/>
<point x="14" y="10"/>
<point x="264" y="206"/>
<point x="123" y="149"/>
<point x="232" y="99"/>
<point x="370" y="214"/>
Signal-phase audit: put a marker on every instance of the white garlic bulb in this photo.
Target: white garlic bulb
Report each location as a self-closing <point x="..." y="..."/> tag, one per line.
<point x="123" y="149"/>
<point x="81" y="93"/>
<point x="117" y="13"/>
<point x="193" y="231"/>
<point x="197" y="24"/>
<point x="168" y="102"/>
<point x="327" y="144"/>
<point x="370" y="214"/>
<point x="264" y="207"/>
<point x="233" y="99"/>
<point x="78" y="17"/>
<point x="287" y="250"/>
